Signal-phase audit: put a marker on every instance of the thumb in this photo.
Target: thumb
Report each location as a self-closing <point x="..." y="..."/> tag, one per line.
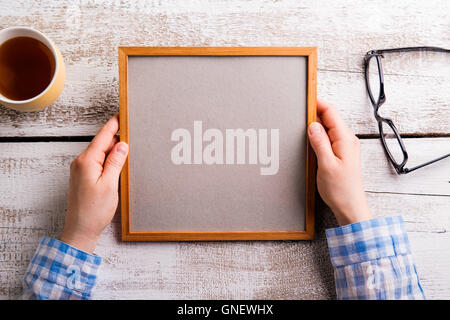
<point x="320" y="142"/>
<point x="114" y="162"/>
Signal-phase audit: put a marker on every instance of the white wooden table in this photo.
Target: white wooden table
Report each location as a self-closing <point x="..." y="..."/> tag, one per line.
<point x="36" y="148"/>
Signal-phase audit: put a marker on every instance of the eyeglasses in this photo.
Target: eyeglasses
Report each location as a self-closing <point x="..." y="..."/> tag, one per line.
<point x="390" y="137"/>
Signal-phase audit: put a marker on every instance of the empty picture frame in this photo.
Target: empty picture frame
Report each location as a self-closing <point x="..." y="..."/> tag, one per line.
<point x="218" y="145"/>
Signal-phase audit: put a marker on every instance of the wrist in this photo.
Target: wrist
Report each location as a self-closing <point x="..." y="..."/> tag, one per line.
<point x="353" y="214"/>
<point x="86" y="243"/>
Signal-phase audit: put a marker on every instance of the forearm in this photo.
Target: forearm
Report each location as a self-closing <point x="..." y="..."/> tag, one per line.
<point x="372" y="260"/>
<point x="58" y="271"/>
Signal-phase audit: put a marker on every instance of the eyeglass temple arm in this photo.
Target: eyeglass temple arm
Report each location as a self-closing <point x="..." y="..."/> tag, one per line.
<point x="407" y="170"/>
<point x="407" y="49"/>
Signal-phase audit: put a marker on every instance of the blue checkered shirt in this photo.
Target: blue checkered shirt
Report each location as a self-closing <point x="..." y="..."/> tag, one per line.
<point x="60" y="271"/>
<point x="371" y="260"/>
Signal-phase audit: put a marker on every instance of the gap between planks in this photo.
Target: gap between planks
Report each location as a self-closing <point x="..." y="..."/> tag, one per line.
<point x="410" y="193"/>
<point x="89" y="138"/>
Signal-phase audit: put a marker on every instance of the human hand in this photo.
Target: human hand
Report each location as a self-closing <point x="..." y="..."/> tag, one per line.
<point x="339" y="176"/>
<point x="93" y="188"/>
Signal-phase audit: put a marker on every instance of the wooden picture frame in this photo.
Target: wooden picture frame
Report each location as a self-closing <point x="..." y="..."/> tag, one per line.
<point x="308" y="233"/>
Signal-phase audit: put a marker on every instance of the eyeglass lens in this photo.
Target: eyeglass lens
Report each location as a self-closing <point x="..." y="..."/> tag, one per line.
<point x="392" y="144"/>
<point x="374" y="78"/>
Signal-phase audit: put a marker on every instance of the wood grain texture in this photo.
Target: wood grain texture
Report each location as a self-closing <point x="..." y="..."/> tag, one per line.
<point x="380" y="176"/>
<point x="311" y="160"/>
<point x="124" y="192"/>
<point x="34" y="176"/>
<point x="33" y="198"/>
<point x="89" y="32"/>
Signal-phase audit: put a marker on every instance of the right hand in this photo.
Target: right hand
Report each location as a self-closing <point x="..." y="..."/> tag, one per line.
<point x="339" y="176"/>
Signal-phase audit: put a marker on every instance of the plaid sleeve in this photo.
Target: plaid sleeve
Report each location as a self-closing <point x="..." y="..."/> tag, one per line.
<point x="372" y="260"/>
<point x="60" y="271"/>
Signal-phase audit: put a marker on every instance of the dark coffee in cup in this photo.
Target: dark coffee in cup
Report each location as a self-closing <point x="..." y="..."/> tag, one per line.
<point x="27" y="67"/>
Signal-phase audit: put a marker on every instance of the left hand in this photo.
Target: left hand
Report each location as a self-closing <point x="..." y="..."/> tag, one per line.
<point x="93" y="190"/>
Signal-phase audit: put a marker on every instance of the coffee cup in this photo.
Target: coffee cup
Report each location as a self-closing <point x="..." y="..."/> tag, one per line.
<point x="32" y="70"/>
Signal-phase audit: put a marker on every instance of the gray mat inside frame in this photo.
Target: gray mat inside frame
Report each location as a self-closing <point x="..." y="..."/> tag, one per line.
<point x="175" y="189"/>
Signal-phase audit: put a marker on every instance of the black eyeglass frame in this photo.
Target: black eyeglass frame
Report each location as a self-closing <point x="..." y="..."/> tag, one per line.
<point x="378" y="54"/>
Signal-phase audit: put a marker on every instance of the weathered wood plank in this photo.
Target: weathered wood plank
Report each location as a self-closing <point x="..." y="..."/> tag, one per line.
<point x="380" y="176"/>
<point x="88" y="33"/>
<point x="33" y="190"/>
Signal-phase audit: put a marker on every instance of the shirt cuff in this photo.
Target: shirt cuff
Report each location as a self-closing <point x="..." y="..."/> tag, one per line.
<point x="59" y="263"/>
<point x="367" y="240"/>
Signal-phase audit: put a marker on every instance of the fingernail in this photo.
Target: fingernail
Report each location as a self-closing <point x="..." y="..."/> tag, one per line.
<point x="314" y="128"/>
<point x="122" y="148"/>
